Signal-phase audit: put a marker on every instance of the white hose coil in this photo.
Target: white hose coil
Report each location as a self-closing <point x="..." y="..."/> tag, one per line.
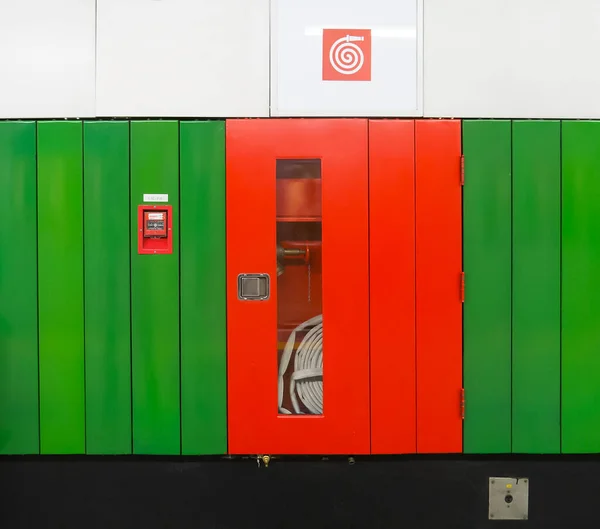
<point x="306" y="382"/>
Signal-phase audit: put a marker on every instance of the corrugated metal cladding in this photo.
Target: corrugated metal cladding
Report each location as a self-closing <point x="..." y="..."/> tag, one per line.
<point x="530" y="258"/>
<point x="119" y="354"/>
<point x="106" y="351"/>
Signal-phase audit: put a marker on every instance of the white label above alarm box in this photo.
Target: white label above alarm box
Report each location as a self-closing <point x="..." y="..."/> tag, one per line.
<point x="153" y="197"/>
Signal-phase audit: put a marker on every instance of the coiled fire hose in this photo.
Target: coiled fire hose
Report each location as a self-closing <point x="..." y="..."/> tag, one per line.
<point x="306" y="382"/>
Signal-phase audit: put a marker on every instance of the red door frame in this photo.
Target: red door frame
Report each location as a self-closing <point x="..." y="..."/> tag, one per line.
<point x="253" y="146"/>
<point x="438" y="285"/>
<point x="392" y="284"/>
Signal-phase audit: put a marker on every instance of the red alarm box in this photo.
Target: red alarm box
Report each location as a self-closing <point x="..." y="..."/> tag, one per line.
<point x="155" y="229"/>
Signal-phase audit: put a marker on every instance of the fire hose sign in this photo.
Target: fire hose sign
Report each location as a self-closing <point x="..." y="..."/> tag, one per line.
<point x="346" y="55"/>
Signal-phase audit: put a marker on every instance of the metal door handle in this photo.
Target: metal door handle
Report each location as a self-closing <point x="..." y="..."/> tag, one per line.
<point x="253" y="287"/>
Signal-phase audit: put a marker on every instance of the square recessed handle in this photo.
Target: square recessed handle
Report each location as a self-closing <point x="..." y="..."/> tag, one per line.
<point x="253" y="287"/>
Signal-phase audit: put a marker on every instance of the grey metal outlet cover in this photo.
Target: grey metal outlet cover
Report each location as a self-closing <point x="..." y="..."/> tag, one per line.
<point x="509" y="499"/>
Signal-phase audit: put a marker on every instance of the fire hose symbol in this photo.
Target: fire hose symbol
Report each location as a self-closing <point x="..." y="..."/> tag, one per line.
<point x="346" y="57"/>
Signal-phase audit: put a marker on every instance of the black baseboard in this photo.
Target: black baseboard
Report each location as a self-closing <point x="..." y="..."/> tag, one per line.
<point x="303" y="493"/>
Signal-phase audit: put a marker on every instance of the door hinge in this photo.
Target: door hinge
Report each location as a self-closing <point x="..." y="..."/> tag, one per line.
<point x="462" y="170"/>
<point x="462" y="404"/>
<point x="462" y="287"/>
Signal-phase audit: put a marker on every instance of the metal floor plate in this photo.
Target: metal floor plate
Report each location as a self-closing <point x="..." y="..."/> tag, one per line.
<point x="509" y="499"/>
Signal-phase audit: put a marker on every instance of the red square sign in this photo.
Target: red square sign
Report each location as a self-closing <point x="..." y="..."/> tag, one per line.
<point x="346" y="55"/>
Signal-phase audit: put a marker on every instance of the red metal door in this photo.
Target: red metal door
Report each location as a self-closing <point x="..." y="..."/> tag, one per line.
<point x="392" y="276"/>
<point x="438" y="286"/>
<point x="298" y="347"/>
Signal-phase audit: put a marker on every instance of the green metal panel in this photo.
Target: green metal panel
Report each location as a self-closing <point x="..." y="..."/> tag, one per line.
<point x="581" y="287"/>
<point x="487" y="265"/>
<point x="536" y="287"/>
<point x="107" y="292"/>
<point x="19" y="420"/>
<point x="203" y="312"/>
<point x="155" y="296"/>
<point x="60" y="276"/>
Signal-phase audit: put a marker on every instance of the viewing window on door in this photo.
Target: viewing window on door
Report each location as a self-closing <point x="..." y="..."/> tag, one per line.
<point x="299" y="287"/>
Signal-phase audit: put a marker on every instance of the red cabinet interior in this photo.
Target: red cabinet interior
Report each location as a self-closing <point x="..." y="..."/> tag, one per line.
<point x="299" y="286"/>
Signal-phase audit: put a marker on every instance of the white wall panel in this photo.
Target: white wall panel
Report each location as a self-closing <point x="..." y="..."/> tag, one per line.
<point x="188" y="58"/>
<point x="47" y="58"/>
<point x="512" y="58"/>
<point x="383" y="75"/>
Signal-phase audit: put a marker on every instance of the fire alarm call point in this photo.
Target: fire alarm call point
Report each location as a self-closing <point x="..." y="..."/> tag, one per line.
<point x="155" y="229"/>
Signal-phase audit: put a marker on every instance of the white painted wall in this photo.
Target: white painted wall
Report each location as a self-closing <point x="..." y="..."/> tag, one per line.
<point x="210" y="58"/>
<point x="183" y="58"/>
<point x="512" y="58"/>
<point x="47" y="58"/>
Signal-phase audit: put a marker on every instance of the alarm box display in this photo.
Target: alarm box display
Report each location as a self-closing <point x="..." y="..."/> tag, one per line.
<point x="155" y="229"/>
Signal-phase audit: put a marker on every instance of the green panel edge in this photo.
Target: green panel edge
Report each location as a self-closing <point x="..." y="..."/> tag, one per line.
<point x="580" y="287"/>
<point x="203" y="293"/>
<point x="536" y="287"/>
<point x="155" y="296"/>
<point x="487" y="266"/>
<point x="107" y="287"/>
<point x="19" y="404"/>
<point x="60" y="283"/>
